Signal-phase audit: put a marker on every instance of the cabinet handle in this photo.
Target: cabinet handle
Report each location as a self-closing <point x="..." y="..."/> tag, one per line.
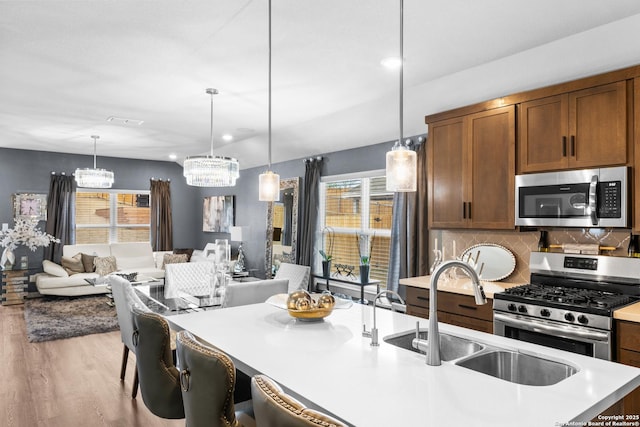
<point x="564" y="146"/>
<point x="423" y="298"/>
<point x="573" y="145"/>
<point x="464" y="210"/>
<point x="468" y="307"/>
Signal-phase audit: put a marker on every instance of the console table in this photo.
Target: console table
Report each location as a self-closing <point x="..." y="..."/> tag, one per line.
<point x="355" y="281"/>
<point x="14" y="286"/>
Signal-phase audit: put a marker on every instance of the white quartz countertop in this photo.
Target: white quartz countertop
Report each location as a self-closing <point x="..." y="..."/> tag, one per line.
<point x="460" y="285"/>
<point x="330" y="365"/>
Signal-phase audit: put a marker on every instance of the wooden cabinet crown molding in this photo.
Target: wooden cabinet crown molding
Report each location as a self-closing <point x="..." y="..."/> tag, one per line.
<point x="530" y="95"/>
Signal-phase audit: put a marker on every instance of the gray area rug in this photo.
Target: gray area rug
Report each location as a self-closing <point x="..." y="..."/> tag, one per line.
<point x="50" y="319"/>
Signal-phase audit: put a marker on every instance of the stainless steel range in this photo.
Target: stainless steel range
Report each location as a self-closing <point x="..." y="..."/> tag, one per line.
<point x="569" y="303"/>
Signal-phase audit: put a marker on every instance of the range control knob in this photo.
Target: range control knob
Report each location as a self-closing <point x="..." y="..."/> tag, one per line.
<point x="569" y="317"/>
<point x="583" y="319"/>
<point x="522" y="309"/>
<point x="545" y="313"/>
<point x="512" y="307"/>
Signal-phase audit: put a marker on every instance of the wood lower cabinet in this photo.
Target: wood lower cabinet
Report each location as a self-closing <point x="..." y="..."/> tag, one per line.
<point x="580" y="129"/>
<point x="471" y="170"/>
<point x="628" y="353"/>
<point x="455" y="309"/>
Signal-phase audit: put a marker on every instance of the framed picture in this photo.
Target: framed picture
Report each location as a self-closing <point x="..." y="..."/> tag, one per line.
<point x="30" y="206"/>
<point x="218" y="214"/>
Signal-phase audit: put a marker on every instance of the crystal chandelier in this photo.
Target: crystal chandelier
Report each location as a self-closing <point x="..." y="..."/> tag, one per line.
<point x="94" y="178"/>
<point x="269" y="182"/>
<point x="211" y="171"/>
<point x="401" y="160"/>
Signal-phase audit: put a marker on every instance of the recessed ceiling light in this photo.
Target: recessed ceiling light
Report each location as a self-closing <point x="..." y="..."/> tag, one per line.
<point x="227" y="137"/>
<point x="173" y="156"/>
<point x="392" y="62"/>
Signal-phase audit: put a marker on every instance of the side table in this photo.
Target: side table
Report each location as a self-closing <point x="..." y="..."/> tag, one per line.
<point x="14" y="286"/>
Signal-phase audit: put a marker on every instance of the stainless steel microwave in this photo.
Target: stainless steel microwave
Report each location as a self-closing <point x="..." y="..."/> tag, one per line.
<point x="578" y="198"/>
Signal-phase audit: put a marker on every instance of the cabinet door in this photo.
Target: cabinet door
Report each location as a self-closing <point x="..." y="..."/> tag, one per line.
<point x="446" y="163"/>
<point x="492" y="172"/>
<point x="543" y="133"/>
<point x="598" y="126"/>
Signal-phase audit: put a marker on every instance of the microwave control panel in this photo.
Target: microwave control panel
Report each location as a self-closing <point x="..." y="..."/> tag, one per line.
<point x="609" y="199"/>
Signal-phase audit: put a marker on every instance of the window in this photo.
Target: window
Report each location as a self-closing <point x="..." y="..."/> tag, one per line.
<point x="356" y="203"/>
<point x="118" y="216"/>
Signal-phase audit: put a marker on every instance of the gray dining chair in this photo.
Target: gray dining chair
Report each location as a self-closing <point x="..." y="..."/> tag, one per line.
<point x="272" y="407"/>
<point x="124" y="297"/>
<point x="208" y="381"/>
<point x="298" y="275"/>
<point x="245" y="293"/>
<point x="159" y="377"/>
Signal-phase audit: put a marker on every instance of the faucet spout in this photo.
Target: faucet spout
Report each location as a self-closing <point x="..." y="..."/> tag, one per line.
<point x="374" y="331"/>
<point x="433" y="336"/>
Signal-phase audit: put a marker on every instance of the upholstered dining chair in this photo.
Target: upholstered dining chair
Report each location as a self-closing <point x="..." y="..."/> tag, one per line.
<point x="124" y="297"/>
<point x="245" y="293"/>
<point x="272" y="407"/>
<point x="298" y="275"/>
<point x="208" y="380"/>
<point x="159" y="378"/>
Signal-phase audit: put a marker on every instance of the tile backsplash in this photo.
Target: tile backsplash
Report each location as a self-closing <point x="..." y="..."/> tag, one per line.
<point x="521" y="243"/>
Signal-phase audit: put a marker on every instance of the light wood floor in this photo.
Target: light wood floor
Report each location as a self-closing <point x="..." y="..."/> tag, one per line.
<point x="71" y="382"/>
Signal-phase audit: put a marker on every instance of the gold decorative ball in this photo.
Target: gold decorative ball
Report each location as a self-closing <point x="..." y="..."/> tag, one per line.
<point x="295" y="296"/>
<point x="326" y="301"/>
<point x="303" y="304"/>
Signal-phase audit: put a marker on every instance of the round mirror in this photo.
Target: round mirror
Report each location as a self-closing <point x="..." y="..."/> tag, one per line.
<point x="498" y="261"/>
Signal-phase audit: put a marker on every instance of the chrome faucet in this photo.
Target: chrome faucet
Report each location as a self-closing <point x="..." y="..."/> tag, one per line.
<point x="373" y="333"/>
<point x="433" y="336"/>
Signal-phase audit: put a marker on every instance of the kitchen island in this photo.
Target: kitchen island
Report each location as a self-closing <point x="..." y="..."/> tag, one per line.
<point x="330" y="366"/>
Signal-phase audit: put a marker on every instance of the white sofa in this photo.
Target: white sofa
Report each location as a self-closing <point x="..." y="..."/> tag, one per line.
<point x="130" y="257"/>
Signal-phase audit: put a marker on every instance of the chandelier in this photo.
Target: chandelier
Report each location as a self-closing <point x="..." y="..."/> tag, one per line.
<point x="269" y="181"/>
<point x="401" y="160"/>
<point x="94" y="178"/>
<point x="211" y="171"/>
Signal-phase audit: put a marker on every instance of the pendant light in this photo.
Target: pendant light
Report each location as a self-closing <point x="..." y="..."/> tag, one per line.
<point x="401" y="160"/>
<point x="94" y="178"/>
<point x="269" y="182"/>
<point x="211" y="171"/>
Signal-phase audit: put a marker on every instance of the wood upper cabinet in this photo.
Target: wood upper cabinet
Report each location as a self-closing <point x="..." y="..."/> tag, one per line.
<point x="471" y="169"/>
<point x="580" y="129"/>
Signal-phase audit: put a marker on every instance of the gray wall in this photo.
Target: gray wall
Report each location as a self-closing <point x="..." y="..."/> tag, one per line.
<point x="23" y="171"/>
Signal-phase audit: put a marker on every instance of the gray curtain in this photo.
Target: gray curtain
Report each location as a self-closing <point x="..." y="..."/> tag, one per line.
<point x="313" y="166"/>
<point x="60" y="215"/>
<point x="409" y="251"/>
<point x="161" y="217"/>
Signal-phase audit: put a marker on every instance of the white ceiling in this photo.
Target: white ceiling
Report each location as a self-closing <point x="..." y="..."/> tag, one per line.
<point x="66" y="66"/>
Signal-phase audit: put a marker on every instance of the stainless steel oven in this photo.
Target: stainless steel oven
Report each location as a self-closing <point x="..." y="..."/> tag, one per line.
<point x="569" y="303"/>
<point x="579" y="198"/>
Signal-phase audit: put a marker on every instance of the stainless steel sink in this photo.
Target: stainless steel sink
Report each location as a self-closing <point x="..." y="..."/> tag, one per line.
<point x="451" y="347"/>
<point x="519" y="368"/>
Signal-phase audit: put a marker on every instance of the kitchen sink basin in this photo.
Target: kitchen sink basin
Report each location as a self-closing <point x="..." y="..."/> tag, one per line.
<point x="519" y="368"/>
<point x="451" y="347"/>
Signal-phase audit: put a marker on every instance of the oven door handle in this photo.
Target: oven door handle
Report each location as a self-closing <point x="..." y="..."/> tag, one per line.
<point x="537" y="326"/>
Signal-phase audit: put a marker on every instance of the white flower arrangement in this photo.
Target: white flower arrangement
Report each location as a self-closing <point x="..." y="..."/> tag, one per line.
<point x="26" y="233"/>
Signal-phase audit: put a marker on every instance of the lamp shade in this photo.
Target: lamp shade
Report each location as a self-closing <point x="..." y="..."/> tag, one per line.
<point x="236" y="234"/>
<point x="401" y="169"/>
<point x="211" y="171"/>
<point x="269" y="187"/>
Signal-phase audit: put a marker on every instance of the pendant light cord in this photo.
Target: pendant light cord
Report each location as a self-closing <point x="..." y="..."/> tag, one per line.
<point x="95" y="138"/>
<point x="401" y="115"/>
<point x="212" y="92"/>
<point x="269" y="90"/>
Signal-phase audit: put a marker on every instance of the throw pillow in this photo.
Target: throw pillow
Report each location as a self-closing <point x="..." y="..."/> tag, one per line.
<point x="105" y="265"/>
<point x="73" y="265"/>
<point x="87" y="262"/>
<point x="131" y="277"/>
<point x="54" y="269"/>
<point x="174" y="258"/>
<point x="188" y="251"/>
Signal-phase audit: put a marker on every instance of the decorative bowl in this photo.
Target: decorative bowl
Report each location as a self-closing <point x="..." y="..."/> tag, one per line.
<point x="310" y="314"/>
<point x="301" y="305"/>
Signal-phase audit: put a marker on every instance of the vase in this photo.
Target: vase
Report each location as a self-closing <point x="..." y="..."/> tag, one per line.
<point x="364" y="273"/>
<point x="326" y="268"/>
<point x="8" y="259"/>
